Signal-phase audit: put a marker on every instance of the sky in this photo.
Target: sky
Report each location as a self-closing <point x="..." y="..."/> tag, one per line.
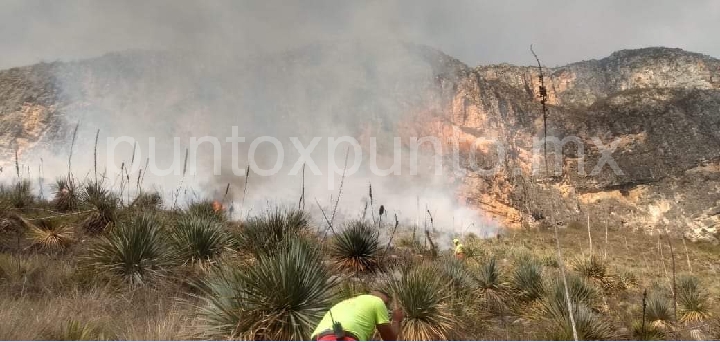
<point x="474" y="31"/>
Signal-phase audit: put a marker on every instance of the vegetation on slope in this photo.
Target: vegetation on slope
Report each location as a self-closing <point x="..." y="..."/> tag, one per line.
<point x="84" y="265"/>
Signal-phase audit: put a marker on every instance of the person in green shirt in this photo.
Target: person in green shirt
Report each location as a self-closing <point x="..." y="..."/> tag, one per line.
<point x="459" y="250"/>
<point x="359" y="316"/>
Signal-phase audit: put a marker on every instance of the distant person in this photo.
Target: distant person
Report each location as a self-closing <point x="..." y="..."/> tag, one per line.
<point x="459" y="249"/>
<point x="358" y="317"/>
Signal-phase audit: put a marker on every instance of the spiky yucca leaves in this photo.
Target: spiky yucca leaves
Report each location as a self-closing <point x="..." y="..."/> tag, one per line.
<point x="66" y="196"/>
<point x="263" y="234"/>
<point x="580" y="291"/>
<point x="491" y="287"/>
<point x="147" y="201"/>
<point x="199" y="239"/>
<point x="135" y="250"/>
<point x="424" y="295"/>
<point x="74" y="330"/>
<point x="658" y="311"/>
<point x="205" y="208"/>
<point x="104" y="204"/>
<point x="590" y="326"/>
<point x="461" y="277"/>
<point x="356" y="248"/>
<point x="18" y="196"/>
<point x="47" y="236"/>
<point x="583" y="296"/>
<point x="649" y="333"/>
<point x="488" y="275"/>
<point x="591" y="267"/>
<point x="527" y="279"/>
<point x="692" y="299"/>
<point x="282" y="296"/>
<point x="350" y="288"/>
<point x="14" y="269"/>
<point x="10" y="222"/>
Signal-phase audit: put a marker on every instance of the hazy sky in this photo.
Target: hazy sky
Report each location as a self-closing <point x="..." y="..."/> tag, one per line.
<point x="474" y="31"/>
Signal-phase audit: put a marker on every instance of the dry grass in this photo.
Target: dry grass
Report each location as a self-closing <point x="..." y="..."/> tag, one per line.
<point x="504" y="290"/>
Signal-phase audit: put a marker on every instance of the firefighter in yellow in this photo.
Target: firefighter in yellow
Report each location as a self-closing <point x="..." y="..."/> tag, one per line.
<point x="459" y="249"/>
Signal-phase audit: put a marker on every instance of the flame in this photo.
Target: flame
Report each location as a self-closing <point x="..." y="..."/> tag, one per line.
<point x="217" y="206"/>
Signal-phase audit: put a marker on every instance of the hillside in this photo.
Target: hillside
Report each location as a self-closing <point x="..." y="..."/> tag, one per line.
<point x="105" y="257"/>
<point x="660" y="103"/>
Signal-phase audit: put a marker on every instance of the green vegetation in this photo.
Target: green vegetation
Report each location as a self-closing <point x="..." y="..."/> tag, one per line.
<point x="86" y="265"/>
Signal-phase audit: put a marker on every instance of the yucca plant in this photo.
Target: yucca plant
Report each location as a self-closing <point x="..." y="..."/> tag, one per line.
<point x="350" y="288"/>
<point x="583" y="296"/>
<point x="658" y="310"/>
<point x="590" y="326"/>
<point x="692" y="299"/>
<point x="45" y="235"/>
<point x="104" y="204"/>
<point x="357" y="248"/>
<point x="461" y="277"/>
<point x="549" y="260"/>
<point x="205" y="208"/>
<point x="263" y="234"/>
<point x="648" y="333"/>
<point x="591" y="267"/>
<point x="282" y="296"/>
<point x="492" y="289"/>
<point x="424" y="296"/>
<point x="74" y="330"/>
<point x="527" y="280"/>
<point x="199" y="239"/>
<point x="580" y="291"/>
<point x="66" y="197"/>
<point x="16" y="269"/>
<point x="10" y="222"/>
<point x="19" y="196"/>
<point x="147" y="201"/>
<point x="135" y="250"/>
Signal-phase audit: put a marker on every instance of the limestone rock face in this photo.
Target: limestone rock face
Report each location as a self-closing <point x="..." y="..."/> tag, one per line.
<point x="654" y="111"/>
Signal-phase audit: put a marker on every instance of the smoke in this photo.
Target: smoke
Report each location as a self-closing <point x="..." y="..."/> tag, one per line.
<point x="476" y="32"/>
<point x="257" y="69"/>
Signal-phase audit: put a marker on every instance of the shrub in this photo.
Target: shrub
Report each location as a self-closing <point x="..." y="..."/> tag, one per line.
<point x="461" y="277"/>
<point x="658" y="309"/>
<point x="65" y="198"/>
<point x="579" y="290"/>
<point x="280" y="297"/>
<point x="136" y="251"/>
<point x="18" y="196"/>
<point x="589" y="326"/>
<point x="73" y="330"/>
<point x="582" y="297"/>
<point x="423" y="296"/>
<point x="692" y="299"/>
<point x="262" y="235"/>
<point x="591" y="267"/>
<point x="47" y="236"/>
<point x="205" y="208"/>
<point x="148" y="201"/>
<point x="488" y="278"/>
<point x="649" y="333"/>
<point x="199" y="239"/>
<point x="104" y="204"/>
<point x="357" y="248"/>
<point x="527" y="280"/>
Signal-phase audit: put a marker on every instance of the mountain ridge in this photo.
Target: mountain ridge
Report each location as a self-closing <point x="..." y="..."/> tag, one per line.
<point x="661" y="103"/>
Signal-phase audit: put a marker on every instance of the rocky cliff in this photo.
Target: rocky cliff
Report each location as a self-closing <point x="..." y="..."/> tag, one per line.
<point x="657" y="109"/>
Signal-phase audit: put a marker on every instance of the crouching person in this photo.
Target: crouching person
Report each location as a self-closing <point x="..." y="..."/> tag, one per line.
<point x="357" y="318"/>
